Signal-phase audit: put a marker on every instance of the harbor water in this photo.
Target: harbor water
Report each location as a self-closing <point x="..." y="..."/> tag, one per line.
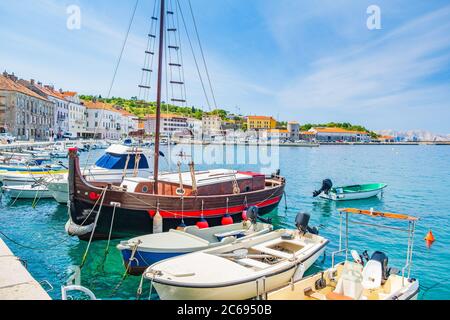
<point x="418" y="179"/>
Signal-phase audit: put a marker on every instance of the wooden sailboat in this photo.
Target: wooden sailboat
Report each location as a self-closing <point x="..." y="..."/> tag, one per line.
<point x="141" y="206"/>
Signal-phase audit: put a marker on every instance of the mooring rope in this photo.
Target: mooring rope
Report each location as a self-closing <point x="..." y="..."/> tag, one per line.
<point x="93" y="231"/>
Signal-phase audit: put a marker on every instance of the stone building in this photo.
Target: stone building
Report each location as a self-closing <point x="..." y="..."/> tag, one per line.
<point x="103" y="121"/>
<point x="77" y="114"/>
<point x="61" y="112"/>
<point x="294" y="130"/>
<point x="24" y="113"/>
<point x="170" y="124"/>
<point x="211" y="126"/>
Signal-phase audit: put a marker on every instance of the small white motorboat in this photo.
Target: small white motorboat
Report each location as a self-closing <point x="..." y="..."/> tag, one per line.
<point x="241" y="270"/>
<point x="363" y="278"/>
<point x="28" y="192"/>
<point x="141" y="252"/>
<point x="59" y="188"/>
<point x="346" y="193"/>
<point x="21" y="178"/>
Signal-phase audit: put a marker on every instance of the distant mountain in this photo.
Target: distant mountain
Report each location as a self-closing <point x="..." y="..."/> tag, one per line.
<point x="415" y="135"/>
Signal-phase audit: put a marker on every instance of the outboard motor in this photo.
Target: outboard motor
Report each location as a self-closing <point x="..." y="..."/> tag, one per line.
<point x="384" y="260"/>
<point x="327" y="185"/>
<point x="253" y="216"/>
<point x="302" y="223"/>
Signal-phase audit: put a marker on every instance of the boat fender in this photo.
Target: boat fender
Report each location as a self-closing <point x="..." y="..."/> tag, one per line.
<point x="74" y="229"/>
<point x="227" y="220"/>
<point x="327" y="185"/>
<point x="181" y="227"/>
<point x="244" y="215"/>
<point x="157" y="223"/>
<point x="203" y="224"/>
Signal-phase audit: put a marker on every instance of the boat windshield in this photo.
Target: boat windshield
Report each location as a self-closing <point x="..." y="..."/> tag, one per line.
<point x="117" y="162"/>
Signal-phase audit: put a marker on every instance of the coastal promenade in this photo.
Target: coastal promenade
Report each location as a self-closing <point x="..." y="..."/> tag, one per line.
<point x="16" y="283"/>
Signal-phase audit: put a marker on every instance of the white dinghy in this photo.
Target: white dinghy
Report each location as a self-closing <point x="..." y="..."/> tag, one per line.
<point x="141" y="252"/>
<point x="363" y="278"/>
<point x="241" y="270"/>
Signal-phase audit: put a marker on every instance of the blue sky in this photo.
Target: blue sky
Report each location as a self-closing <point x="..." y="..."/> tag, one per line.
<point x="310" y="61"/>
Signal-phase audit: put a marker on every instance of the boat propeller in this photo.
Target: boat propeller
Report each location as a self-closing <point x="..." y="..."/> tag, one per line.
<point x="327" y="185"/>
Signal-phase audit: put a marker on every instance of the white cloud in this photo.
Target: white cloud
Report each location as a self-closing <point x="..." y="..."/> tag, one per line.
<point x="395" y="71"/>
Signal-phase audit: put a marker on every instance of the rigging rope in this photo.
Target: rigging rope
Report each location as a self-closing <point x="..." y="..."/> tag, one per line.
<point x="93" y="230"/>
<point x="193" y="54"/>
<point x="203" y="54"/>
<point x="114" y="75"/>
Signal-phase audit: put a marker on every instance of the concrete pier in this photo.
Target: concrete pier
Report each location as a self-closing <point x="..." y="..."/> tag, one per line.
<point x="16" y="283"/>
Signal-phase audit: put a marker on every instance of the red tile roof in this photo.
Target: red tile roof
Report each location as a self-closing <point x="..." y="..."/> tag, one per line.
<point x="10" y="85"/>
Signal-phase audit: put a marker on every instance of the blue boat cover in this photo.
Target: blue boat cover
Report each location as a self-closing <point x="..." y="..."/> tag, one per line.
<point x="117" y="162"/>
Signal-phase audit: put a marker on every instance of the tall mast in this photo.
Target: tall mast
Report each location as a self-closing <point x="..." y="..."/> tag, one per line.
<point x="158" y="95"/>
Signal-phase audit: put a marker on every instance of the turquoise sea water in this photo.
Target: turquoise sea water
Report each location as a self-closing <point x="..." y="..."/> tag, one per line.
<point x="418" y="179"/>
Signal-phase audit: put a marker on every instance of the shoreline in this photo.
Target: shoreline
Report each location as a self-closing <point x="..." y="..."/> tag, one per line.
<point x="21" y="145"/>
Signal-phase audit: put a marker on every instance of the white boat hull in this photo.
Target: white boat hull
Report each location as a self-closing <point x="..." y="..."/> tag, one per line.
<point x="59" y="191"/>
<point x="26" y="192"/>
<point x="351" y="196"/>
<point x="243" y="291"/>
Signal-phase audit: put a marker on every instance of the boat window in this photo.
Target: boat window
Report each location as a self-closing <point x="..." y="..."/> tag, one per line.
<point x="114" y="161"/>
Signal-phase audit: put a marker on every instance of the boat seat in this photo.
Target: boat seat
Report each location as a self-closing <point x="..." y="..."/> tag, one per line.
<point x="350" y="282"/>
<point x="235" y="233"/>
<point x="253" y="263"/>
<point x="372" y="275"/>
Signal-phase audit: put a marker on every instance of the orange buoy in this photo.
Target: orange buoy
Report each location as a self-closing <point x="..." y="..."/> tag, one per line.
<point x="227" y="220"/>
<point x="203" y="224"/>
<point x="430" y="238"/>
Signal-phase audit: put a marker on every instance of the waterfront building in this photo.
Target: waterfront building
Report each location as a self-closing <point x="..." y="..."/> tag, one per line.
<point x="212" y="125"/>
<point x="77" y="114"/>
<point x="294" y="130"/>
<point x="261" y="122"/>
<point x="338" y="135"/>
<point x="61" y="105"/>
<point x="129" y="123"/>
<point x="103" y="121"/>
<point x="195" y="126"/>
<point x="24" y="113"/>
<point x="307" y="136"/>
<point x="386" y="139"/>
<point x="275" y="134"/>
<point x="170" y="124"/>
